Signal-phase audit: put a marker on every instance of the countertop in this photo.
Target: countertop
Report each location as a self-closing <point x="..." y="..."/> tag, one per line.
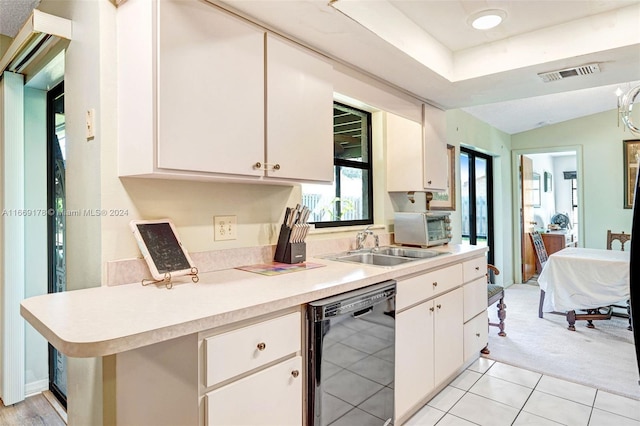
<point x="102" y="321"/>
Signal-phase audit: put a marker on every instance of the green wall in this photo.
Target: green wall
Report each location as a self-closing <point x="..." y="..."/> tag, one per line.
<point x="602" y="164"/>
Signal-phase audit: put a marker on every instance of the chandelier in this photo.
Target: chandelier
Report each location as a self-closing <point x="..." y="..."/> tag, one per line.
<point x="625" y="107"/>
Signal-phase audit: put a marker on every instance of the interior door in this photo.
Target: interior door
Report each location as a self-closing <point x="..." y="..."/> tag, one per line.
<point x="526" y="219"/>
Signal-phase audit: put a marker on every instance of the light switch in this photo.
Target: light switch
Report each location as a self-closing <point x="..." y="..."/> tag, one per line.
<point x="91" y="124"/>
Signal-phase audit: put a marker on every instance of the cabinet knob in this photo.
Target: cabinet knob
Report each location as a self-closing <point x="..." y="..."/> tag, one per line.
<point x="435" y="283"/>
<point x="295" y="373"/>
<point x="276" y="166"/>
<point x="257" y="165"/>
<point x="477" y="268"/>
<point x="429" y="182"/>
<point x="439" y="306"/>
<point x="477" y="334"/>
<point x="431" y="309"/>
<point x="262" y="346"/>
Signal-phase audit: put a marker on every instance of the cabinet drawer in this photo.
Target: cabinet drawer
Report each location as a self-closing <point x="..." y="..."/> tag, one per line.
<point x="270" y="397"/>
<point x="416" y="289"/>
<point x="476" y="336"/>
<point x="238" y="351"/>
<point x="475" y="298"/>
<point x="474" y="268"/>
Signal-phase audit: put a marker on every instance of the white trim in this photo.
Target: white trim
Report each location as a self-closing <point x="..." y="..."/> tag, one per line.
<point x="12" y="258"/>
<point x="34" y="388"/>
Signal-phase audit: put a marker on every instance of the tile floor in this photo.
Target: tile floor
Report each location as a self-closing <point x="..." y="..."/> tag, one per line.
<point x="493" y="393"/>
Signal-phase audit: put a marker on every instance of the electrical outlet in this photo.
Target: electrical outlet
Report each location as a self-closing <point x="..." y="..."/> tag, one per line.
<point x="224" y="228"/>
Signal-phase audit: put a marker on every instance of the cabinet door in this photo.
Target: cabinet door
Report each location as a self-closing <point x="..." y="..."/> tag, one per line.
<point x="270" y="397"/>
<point x="299" y="113"/>
<point x="475" y="298"/>
<point x="210" y="90"/>
<point x="476" y="336"/>
<point x="414" y="357"/>
<point x="404" y="154"/>
<point x="448" y="335"/>
<point x="435" y="149"/>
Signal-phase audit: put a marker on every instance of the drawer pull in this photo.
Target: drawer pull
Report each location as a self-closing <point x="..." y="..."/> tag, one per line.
<point x="295" y="373"/>
<point x="477" y="268"/>
<point x="262" y="346"/>
<point x="439" y="306"/>
<point x="435" y="283"/>
<point x="431" y="309"/>
<point x="477" y="334"/>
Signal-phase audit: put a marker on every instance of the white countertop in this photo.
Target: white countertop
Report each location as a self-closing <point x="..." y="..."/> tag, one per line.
<point x="107" y="320"/>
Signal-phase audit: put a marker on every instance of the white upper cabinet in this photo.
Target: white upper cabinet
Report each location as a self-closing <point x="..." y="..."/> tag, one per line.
<point x="435" y="148"/>
<point x="299" y="113"/>
<point x="192" y="83"/>
<point x="417" y="154"/>
<point x="210" y="85"/>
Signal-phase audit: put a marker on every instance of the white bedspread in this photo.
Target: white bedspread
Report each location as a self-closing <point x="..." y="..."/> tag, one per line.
<point x="583" y="278"/>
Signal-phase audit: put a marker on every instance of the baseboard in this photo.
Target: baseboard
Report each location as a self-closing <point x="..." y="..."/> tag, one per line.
<point x="36" y="387"/>
<point x="62" y="412"/>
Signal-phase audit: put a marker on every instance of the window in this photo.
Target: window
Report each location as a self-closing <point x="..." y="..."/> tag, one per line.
<point x="349" y="201"/>
<point x="476" y="179"/>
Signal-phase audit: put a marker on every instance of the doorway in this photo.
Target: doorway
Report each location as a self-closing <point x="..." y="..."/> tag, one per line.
<point x="476" y="182"/>
<point x="547" y="191"/>
<point x="56" y="203"/>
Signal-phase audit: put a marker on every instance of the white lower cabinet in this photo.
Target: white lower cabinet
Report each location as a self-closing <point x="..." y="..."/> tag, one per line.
<point x="476" y="321"/>
<point x="429" y="349"/>
<point x="253" y="374"/>
<point x="272" y="396"/>
<point x="476" y="335"/>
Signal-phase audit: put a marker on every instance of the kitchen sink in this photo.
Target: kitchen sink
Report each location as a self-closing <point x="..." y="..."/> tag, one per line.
<point x="386" y="256"/>
<point x="409" y="252"/>
<point x="374" y="259"/>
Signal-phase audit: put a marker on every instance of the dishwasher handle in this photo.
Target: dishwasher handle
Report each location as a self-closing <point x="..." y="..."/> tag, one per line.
<point x="362" y="312"/>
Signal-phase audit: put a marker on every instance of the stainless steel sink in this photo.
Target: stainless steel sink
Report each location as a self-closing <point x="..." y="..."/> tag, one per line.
<point x="374" y="259"/>
<point x="386" y="256"/>
<point x="409" y="252"/>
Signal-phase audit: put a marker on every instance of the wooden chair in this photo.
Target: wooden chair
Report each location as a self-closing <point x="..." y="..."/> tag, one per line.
<point x="541" y="253"/>
<point x="495" y="293"/>
<point x="622" y="238"/>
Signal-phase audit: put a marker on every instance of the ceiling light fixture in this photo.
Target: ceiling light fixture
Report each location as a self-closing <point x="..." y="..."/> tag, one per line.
<point x="487" y="19"/>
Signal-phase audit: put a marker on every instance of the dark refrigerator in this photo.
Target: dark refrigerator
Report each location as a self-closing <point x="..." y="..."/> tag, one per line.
<point x="634" y="271"/>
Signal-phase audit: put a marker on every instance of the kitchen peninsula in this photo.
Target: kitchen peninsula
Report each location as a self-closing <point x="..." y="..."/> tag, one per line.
<point x="179" y="350"/>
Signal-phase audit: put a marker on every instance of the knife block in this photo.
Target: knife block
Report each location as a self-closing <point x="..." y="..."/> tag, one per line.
<point x="287" y="252"/>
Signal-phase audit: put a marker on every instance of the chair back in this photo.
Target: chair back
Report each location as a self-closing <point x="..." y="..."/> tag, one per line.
<point x="541" y="251"/>
<point x="622" y="238"/>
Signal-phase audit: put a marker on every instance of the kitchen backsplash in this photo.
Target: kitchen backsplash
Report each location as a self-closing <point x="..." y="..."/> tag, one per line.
<point x="129" y="271"/>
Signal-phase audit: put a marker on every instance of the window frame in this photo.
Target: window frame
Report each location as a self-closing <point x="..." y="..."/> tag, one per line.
<point x="362" y="165"/>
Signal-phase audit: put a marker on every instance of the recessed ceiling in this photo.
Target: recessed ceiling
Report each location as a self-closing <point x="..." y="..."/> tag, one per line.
<point x="479" y="71"/>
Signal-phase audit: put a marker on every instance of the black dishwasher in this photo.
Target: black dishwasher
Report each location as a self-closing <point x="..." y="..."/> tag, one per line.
<point x="351" y="357"/>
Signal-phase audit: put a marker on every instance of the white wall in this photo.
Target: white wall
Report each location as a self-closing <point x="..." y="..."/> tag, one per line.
<point x="36" y="277"/>
<point x="602" y="182"/>
<point x="464" y="129"/>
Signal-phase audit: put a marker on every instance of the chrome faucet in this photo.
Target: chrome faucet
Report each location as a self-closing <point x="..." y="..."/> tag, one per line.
<point x="362" y="237"/>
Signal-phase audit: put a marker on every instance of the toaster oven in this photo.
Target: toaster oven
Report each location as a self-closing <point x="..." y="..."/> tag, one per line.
<point x="423" y="229"/>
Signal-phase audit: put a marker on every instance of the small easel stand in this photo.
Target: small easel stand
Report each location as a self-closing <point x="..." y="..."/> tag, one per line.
<point x="167" y="279"/>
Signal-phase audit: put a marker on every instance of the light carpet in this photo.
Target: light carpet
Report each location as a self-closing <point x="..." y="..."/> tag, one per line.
<point x="603" y="357"/>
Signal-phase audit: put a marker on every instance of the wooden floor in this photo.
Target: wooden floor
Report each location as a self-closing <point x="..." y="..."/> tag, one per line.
<point x="35" y="410"/>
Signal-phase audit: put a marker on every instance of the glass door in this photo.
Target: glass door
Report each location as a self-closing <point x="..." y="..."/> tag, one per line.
<point x="476" y="181"/>
<point x="56" y="201"/>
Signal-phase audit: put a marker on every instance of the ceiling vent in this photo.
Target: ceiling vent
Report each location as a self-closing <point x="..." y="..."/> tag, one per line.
<point x="569" y="72"/>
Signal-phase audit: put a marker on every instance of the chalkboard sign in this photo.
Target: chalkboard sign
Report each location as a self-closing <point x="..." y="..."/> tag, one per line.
<point x="161" y="248"/>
